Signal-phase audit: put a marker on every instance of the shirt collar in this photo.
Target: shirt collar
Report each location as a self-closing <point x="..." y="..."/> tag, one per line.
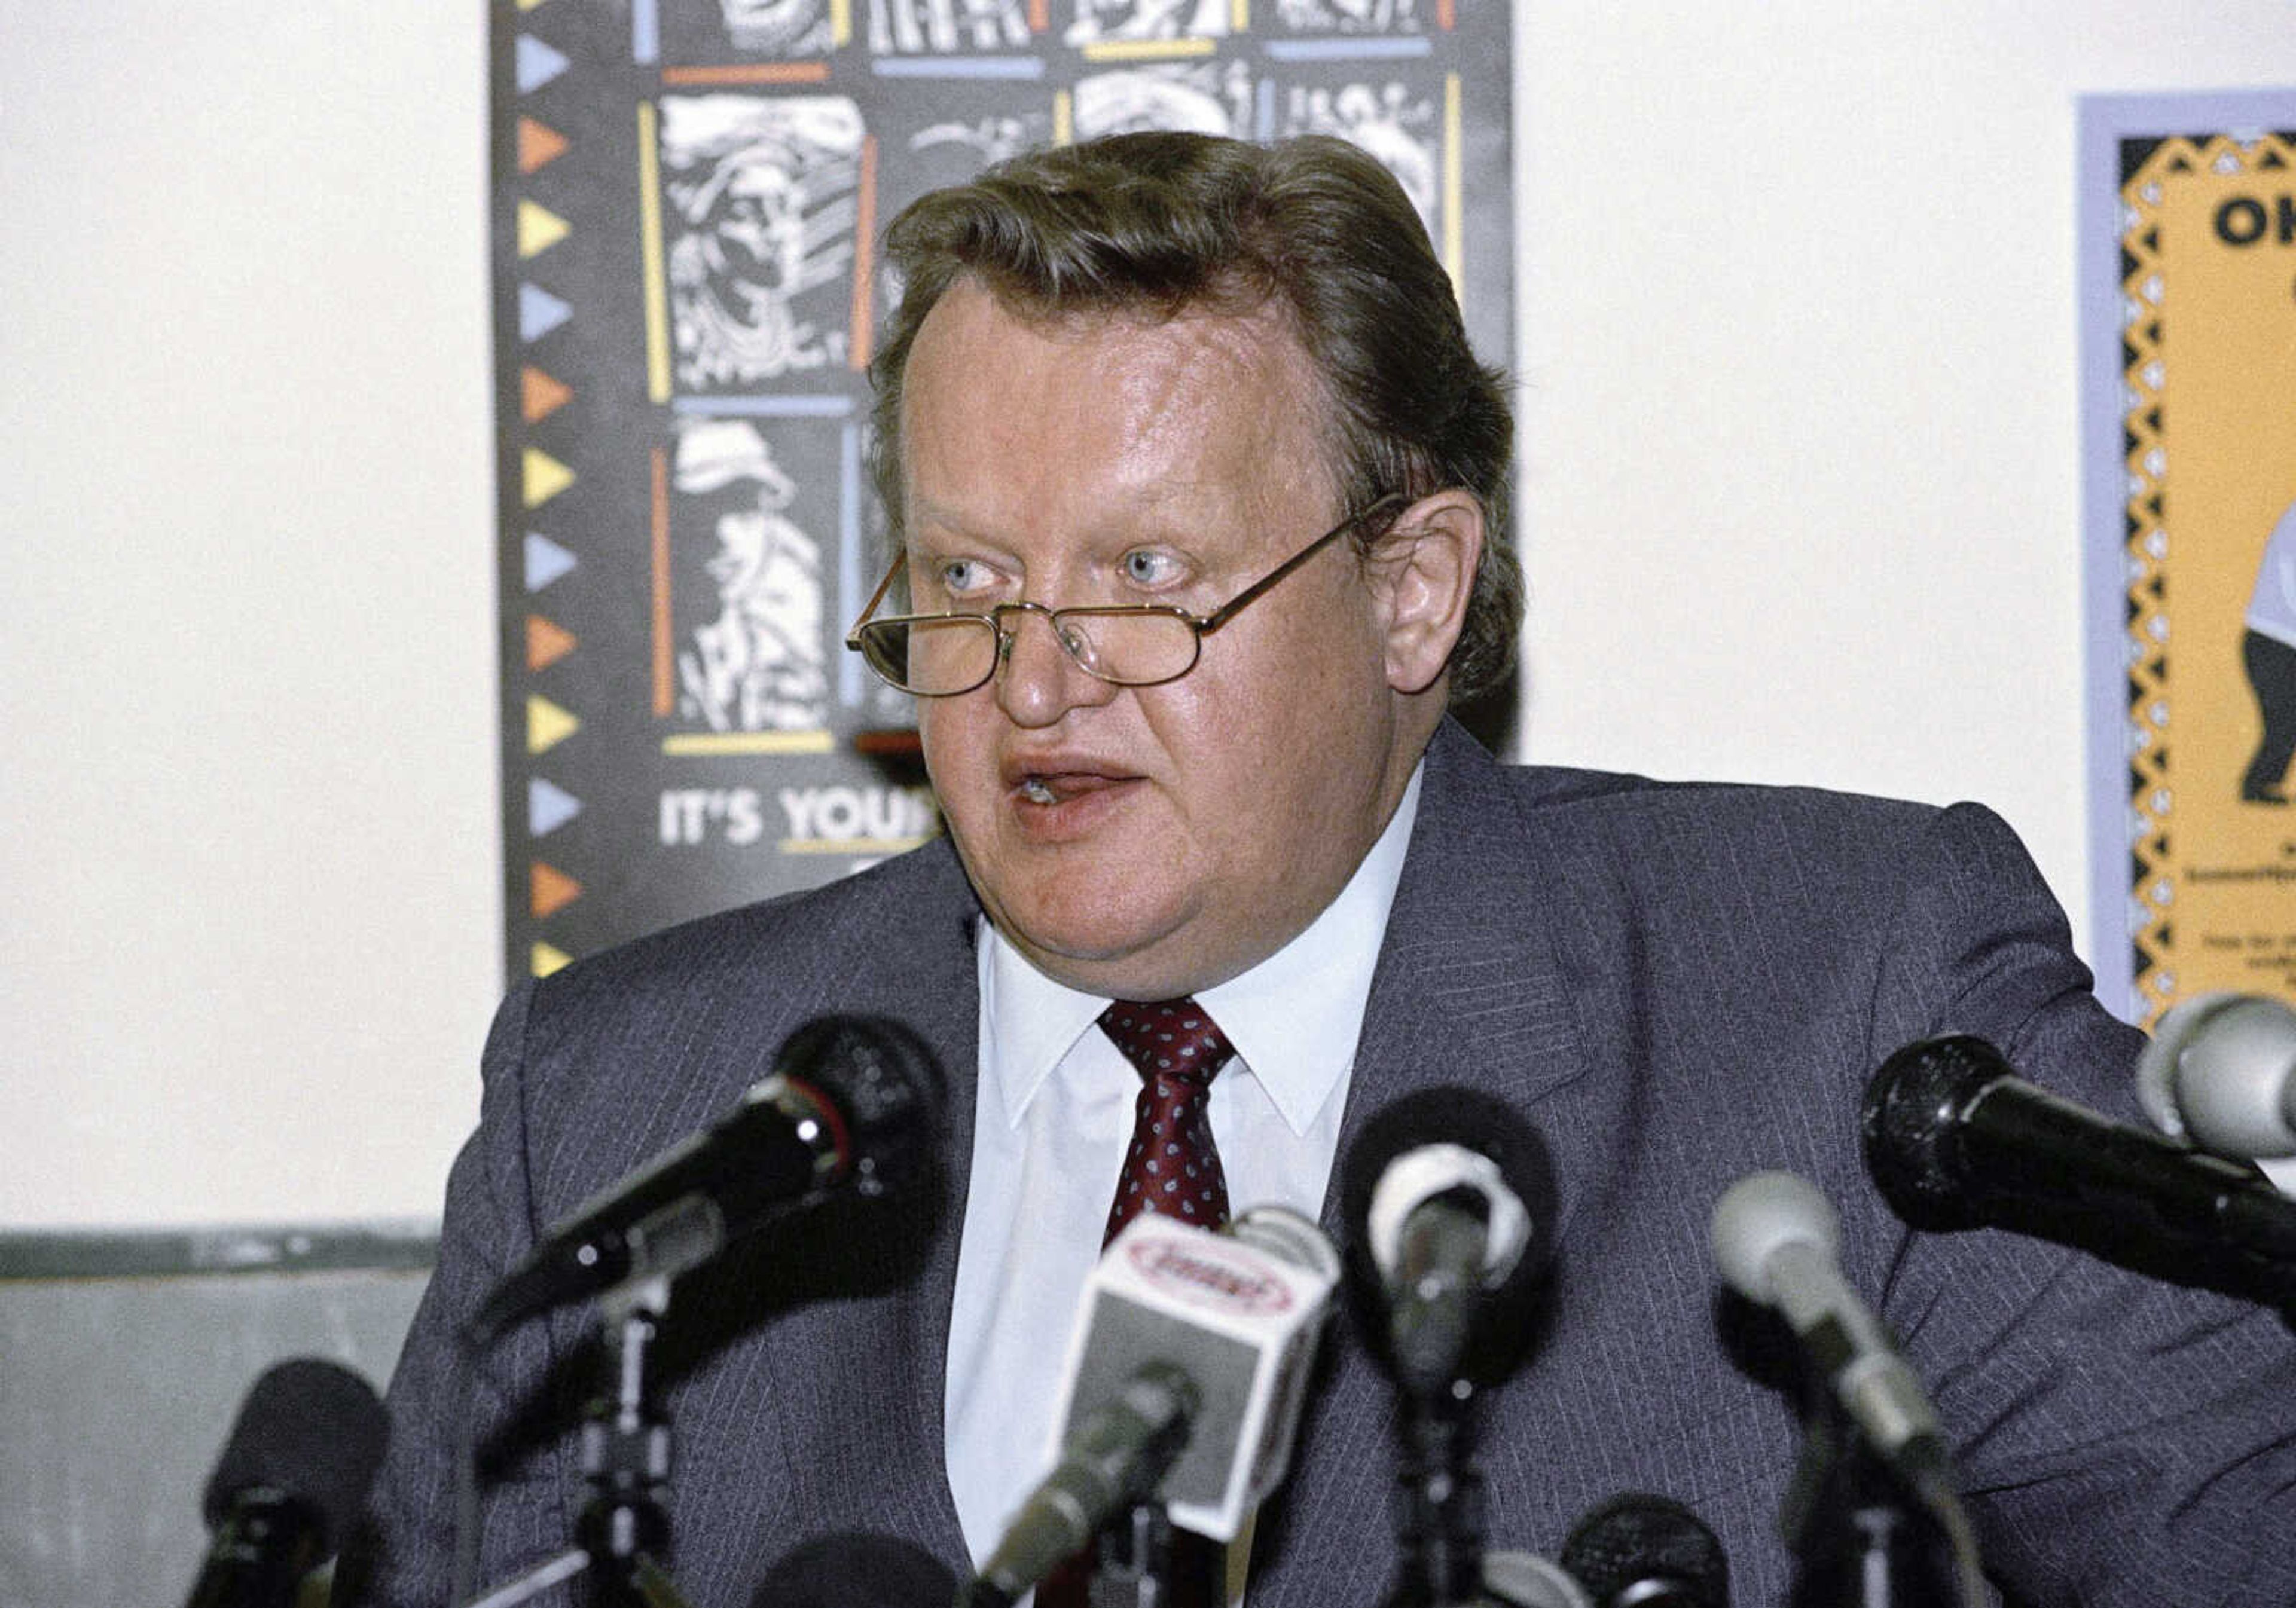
<point x="1293" y="1018"/>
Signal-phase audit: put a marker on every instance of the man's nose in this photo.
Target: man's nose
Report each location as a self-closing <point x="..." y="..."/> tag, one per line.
<point x="1038" y="680"/>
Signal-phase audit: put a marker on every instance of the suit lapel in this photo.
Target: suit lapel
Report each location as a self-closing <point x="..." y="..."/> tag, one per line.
<point x="1470" y="991"/>
<point x="831" y="1407"/>
<point x="922" y="979"/>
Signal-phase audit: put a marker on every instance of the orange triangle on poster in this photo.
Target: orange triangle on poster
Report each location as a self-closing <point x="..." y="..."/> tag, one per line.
<point x="540" y="395"/>
<point x="551" y="890"/>
<point x="546" y="643"/>
<point x="538" y="144"/>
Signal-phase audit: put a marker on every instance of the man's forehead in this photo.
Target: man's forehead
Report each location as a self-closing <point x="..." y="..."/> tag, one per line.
<point x="1248" y="325"/>
<point x="1197" y="351"/>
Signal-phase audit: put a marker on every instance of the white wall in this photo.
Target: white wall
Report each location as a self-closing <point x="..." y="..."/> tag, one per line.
<point x="249" y="860"/>
<point x="1800" y="363"/>
<point x="1799" y="367"/>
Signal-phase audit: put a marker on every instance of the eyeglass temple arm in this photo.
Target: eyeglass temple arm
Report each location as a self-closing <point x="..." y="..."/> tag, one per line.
<point x="1207" y="624"/>
<point x="853" y="637"/>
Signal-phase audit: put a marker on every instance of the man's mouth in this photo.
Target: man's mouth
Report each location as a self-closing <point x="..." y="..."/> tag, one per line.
<point x="1048" y="787"/>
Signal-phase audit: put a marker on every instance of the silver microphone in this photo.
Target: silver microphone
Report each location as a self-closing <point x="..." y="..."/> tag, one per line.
<point x="1777" y="1243"/>
<point x="2220" y="1072"/>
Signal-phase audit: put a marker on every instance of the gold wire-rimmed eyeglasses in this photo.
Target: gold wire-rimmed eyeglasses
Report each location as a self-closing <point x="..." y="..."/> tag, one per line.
<point x="1127" y="644"/>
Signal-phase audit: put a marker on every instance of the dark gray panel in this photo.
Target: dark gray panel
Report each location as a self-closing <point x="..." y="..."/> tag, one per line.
<point x="116" y="1395"/>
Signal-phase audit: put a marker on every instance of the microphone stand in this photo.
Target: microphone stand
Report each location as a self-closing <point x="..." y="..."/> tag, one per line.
<point x="1440" y="1529"/>
<point x="1133" y="1561"/>
<point x="623" y="1529"/>
<point x="1860" y="1538"/>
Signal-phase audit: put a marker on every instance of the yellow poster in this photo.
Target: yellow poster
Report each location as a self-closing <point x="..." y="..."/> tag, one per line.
<point x="2209" y="415"/>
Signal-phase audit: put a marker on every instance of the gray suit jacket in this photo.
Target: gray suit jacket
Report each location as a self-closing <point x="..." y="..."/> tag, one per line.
<point x="1676" y="985"/>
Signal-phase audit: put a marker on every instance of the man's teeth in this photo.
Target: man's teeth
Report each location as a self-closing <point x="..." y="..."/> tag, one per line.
<point x="1036" y="792"/>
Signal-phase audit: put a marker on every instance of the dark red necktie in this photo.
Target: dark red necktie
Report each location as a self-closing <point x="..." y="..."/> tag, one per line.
<point x="1170" y="1168"/>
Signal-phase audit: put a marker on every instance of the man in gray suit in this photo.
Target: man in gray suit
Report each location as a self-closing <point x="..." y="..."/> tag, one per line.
<point x="1198" y="504"/>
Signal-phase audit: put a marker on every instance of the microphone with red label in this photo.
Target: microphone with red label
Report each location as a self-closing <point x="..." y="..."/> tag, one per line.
<point x="1183" y="1386"/>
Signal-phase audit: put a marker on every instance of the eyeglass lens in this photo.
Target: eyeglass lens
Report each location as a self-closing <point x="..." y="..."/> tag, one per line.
<point x="940" y="657"/>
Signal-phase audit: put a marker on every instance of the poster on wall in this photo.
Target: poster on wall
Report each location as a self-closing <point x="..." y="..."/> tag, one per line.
<point x="2188" y="220"/>
<point x="687" y="198"/>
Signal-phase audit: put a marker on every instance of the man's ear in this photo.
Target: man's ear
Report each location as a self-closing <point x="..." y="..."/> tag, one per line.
<point x="1422" y="571"/>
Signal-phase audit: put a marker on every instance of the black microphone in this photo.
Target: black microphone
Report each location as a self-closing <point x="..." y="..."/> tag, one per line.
<point x="2220" y="1072"/>
<point x="859" y="1570"/>
<point x="853" y="1103"/>
<point x="293" y="1476"/>
<point x="1642" y="1551"/>
<point x="1114" y="1459"/>
<point x="1954" y="1139"/>
<point x="1446" y="1191"/>
<point x="1777" y="1243"/>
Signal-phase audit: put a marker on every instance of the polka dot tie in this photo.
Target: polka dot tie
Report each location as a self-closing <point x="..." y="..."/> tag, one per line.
<point x="1172" y="1167"/>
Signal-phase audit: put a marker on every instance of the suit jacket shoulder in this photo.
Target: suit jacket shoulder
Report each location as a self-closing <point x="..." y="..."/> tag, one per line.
<point x="588" y="1074"/>
<point x="1680" y="984"/>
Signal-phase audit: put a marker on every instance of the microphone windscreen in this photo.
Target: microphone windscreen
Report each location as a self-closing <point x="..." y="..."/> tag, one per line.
<point x="1451" y="1116"/>
<point x="856" y="1569"/>
<point x="311" y="1429"/>
<point x="1491" y="1129"/>
<point x="884" y="1086"/>
<point x="1909" y="1128"/>
<point x="1647" y="1550"/>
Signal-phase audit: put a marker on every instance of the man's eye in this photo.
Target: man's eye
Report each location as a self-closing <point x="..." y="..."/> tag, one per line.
<point x="1146" y="567"/>
<point x="957" y="577"/>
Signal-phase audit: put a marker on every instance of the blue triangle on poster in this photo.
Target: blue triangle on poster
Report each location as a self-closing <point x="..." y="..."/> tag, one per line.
<point x="545" y="561"/>
<point x="539" y="312"/>
<point x="537" y="64"/>
<point x="548" y="807"/>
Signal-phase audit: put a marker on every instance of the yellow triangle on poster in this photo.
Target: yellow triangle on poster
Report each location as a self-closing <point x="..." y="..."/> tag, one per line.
<point x="538" y="229"/>
<point x="546" y="643"/>
<point x="547" y="724"/>
<point x="538" y="144"/>
<point x="528" y="5"/>
<point x="547" y="958"/>
<point x="550" y="890"/>
<point x="544" y="476"/>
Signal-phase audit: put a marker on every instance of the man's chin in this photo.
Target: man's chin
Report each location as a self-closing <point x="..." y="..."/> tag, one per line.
<point x="1118" y="960"/>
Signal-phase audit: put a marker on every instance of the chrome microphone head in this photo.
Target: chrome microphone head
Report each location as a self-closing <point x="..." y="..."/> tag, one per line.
<point x="1759" y="1215"/>
<point x="1523" y="1579"/>
<point x="2220" y="1072"/>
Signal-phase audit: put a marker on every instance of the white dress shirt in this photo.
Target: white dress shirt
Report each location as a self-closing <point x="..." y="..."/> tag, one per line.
<point x="1051" y="1120"/>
